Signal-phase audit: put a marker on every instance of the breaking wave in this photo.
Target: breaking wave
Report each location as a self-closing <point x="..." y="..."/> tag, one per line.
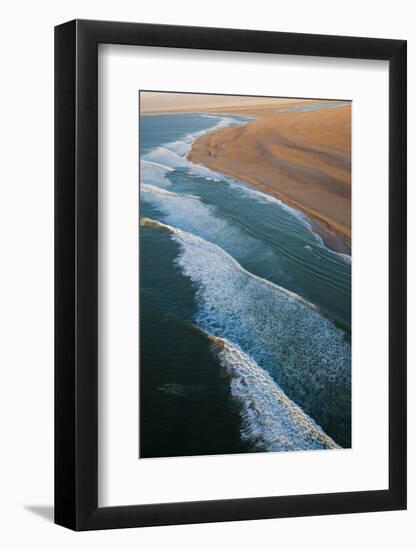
<point x="149" y="188"/>
<point x="162" y="155"/>
<point x="179" y="147"/>
<point x="270" y="421"/>
<point x="154" y="172"/>
<point x="173" y="155"/>
<point x="189" y="213"/>
<point x="304" y="352"/>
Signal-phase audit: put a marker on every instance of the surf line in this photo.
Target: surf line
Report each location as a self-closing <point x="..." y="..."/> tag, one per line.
<point x="270" y="420"/>
<point x="299" y="214"/>
<point x="185" y="236"/>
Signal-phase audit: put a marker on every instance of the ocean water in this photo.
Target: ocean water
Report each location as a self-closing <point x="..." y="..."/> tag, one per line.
<point x="245" y="314"/>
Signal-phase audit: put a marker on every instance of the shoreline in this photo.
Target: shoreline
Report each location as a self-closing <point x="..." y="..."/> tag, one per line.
<point x="333" y="239"/>
<point x="297" y="150"/>
<point x="298" y="163"/>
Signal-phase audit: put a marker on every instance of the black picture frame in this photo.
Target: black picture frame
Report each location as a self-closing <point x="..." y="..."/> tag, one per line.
<point x="76" y="272"/>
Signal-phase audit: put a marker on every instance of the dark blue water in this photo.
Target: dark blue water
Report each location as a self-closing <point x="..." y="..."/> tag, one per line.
<point x="245" y="314"/>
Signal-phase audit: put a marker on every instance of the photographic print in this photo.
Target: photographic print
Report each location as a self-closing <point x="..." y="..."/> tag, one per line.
<point x="245" y="274"/>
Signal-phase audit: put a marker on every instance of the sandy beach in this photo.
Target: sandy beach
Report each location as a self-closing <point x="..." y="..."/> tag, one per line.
<point x="302" y="157"/>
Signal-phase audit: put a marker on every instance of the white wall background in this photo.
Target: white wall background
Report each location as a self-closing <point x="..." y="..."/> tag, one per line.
<point x="26" y="288"/>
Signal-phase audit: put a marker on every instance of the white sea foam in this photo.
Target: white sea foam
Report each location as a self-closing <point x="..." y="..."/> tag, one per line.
<point x="174" y="160"/>
<point x="270" y="421"/>
<point x="189" y="213"/>
<point x="301" y="216"/>
<point x="298" y="214"/>
<point x="266" y="198"/>
<point x="154" y="172"/>
<point x="149" y="188"/>
<point x="305" y="353"/>
<point x="173" y="155"/>
<point x="183" y="210"/>
<point x="275" y="330"/>
<point x="185" y="237"/>
<point x="166" y="157"/>
<point x="259" y="195"/>
<point x="222" y="122"/>
<point x="345" y="257"/>
<point x="161" y="167"/>
<point x="180" y="148"/>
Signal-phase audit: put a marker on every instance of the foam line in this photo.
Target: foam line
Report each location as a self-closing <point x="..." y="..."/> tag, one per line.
<point x="188" y="237"/>
<point x="303" y="351"/>
<point x="154" y="172"/>
<point x="270" y="421"/>
<point x="189" y="213"/>
<point x="149" y="188"/>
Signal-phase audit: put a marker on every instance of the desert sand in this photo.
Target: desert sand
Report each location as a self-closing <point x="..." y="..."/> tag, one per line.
<point x="303" y="158"/>
<point x="152" y="103"/>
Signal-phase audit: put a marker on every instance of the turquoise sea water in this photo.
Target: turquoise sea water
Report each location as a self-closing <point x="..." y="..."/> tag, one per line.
<point x="244" y="313"/>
